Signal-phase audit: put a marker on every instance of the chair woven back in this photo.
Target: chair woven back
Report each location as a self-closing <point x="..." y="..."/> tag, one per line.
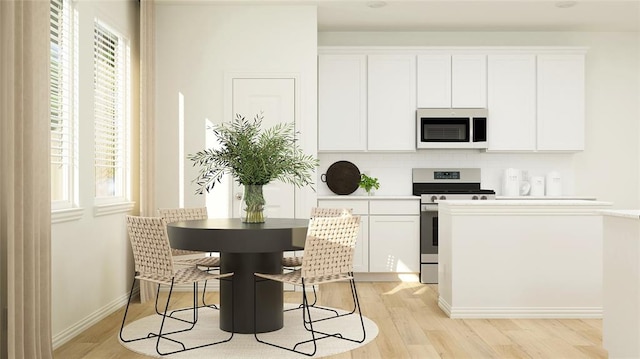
<point x="182" y="214"/>
<point x="150" y="245"/>
<point x="330" y="212"/>
<point x="329" y="247"/>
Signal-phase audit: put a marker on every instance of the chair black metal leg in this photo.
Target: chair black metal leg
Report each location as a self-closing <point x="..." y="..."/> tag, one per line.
<point x="161" y="335"/>
<point x="352" y="285"/>
<point x="315" y="301"/>
<point x="195" y="319"/>
<point x="124" y="318"/>
<point x="204" y="303"/>
<point x="157" y="296"/>
<point x="306" y="308"/>
<point x="356" y="305"/>
<point x="170" y="315"/>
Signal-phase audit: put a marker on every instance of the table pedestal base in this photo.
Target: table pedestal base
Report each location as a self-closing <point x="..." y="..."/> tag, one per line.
<point x="269" y="299"/>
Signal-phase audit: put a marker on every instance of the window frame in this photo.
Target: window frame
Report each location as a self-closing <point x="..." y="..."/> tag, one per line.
<point x="67" y="82"/>
<point x="120" y="200"/>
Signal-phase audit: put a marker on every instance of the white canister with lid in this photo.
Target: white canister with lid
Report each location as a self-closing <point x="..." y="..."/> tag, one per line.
<point x="537" y="186"/>
<point x="511" y="182"/>
<point x="553" y="184"/>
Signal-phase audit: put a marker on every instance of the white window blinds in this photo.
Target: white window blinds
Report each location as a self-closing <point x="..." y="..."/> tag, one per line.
<point x="62" y="104"/>
<point x="110" y="112"/>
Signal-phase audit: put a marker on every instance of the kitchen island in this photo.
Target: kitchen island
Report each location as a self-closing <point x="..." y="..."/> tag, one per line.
<point x="520" y="258"/>
<point x="621" y="283"/>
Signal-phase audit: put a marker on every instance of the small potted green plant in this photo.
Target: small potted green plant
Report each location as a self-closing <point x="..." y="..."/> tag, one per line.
<point x="368" y="183"/>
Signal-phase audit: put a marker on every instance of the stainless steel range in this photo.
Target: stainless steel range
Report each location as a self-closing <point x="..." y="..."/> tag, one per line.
<point x="439" y="184"/>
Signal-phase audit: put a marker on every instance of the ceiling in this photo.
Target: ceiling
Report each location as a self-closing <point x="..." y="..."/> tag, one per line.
<point x="478" y="15"/>
<point x="467" y="15"/>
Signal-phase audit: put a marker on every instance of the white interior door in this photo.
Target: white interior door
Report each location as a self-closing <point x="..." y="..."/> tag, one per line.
<point x="275" y="98"/>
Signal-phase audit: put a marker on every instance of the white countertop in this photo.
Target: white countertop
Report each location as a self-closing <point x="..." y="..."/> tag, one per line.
<point x="547" y="198"/>
<point x="527" y="202"/>
<point x="367" y="198"/>
<point x="625" y="213"/>
<point x="503" y="200"/>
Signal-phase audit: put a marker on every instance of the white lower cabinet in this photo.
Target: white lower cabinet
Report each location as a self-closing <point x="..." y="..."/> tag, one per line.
<point x="394" y="244"/>
<point x="389" y="239"/>
<point x="361" y="254"/>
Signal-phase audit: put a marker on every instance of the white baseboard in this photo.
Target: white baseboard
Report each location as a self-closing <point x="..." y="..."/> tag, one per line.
<point x="520" y="312"/>
<point x="82" y="325"/>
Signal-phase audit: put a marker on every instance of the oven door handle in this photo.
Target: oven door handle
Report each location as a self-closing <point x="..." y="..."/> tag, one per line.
<point x="429" y="207"/>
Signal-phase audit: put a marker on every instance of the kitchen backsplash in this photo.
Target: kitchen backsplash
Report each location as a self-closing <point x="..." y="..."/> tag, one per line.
<point x="393" y="170"/>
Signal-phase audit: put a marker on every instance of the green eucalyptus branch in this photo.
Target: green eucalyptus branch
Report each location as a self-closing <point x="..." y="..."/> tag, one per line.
<point x="253" y="156"/>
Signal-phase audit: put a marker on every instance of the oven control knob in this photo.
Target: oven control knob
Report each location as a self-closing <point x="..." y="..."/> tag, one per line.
<point x="474" y="197"/>
<point x="483" y="197"/>
<point x="442" y="198"/>
<point x="434" y="199"/>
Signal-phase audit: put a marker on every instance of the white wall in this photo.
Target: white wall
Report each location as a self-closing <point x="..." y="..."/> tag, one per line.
<point x="608" y="168"/>
<point x="91" y="260"/>
<point x="197" y="45"/>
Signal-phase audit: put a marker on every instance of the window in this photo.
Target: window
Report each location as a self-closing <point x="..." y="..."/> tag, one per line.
<point x="111" y="114"/>
<point x="63" y="106"/>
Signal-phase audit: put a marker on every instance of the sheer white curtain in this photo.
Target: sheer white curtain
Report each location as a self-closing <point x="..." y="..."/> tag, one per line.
<point x="147" y="121"/>
<point x="25" y="199"/>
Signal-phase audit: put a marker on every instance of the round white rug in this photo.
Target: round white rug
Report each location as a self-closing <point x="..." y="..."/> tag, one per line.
<point x="245" y="345"/>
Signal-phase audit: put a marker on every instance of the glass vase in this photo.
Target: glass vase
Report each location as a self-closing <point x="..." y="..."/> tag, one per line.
<point x="253" y="204"/>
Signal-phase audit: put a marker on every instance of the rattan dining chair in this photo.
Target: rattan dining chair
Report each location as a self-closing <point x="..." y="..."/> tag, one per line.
<point x="185" y="257"/>
<point x="153" y="262"/>
<point x="295" y="262"/>
<point x="328" y="257"/>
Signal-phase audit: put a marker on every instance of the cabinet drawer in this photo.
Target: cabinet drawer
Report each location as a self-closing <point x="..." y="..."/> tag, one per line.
<point x="394" y="207"/>
<point x="358" y="207"/>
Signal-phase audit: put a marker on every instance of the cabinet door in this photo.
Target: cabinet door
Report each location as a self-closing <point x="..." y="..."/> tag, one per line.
<point x="434" y="81"/>
<point x="561" y="106"/>
<point x="469" y="81"/>
<point x="394" y="244"/>
<point x="342" y="102"/>
<point x="391" y="103"/>
<point x="512" y="102"/>
<point x="361" y="254"/>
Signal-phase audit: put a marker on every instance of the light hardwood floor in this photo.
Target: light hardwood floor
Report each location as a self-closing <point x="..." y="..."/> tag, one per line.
<point x="411" y="326"/>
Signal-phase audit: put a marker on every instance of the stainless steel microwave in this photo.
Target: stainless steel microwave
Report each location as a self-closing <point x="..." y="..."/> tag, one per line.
<point x="451" y="128"/>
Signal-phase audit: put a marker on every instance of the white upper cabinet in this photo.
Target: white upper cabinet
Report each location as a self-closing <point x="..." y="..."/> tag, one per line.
<point x="512" y="102"/>
<point x="561" y="103"/>
<point x="434" y="81"/>
<point x="342" y="105"/>
<point x="391" y="103"/>
<point x="452" y="81"/>
<point x="469" y="81"/>
<point x="535" y="96"/>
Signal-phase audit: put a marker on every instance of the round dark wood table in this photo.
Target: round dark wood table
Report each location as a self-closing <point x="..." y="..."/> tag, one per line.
<point x="245" y="248"/>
